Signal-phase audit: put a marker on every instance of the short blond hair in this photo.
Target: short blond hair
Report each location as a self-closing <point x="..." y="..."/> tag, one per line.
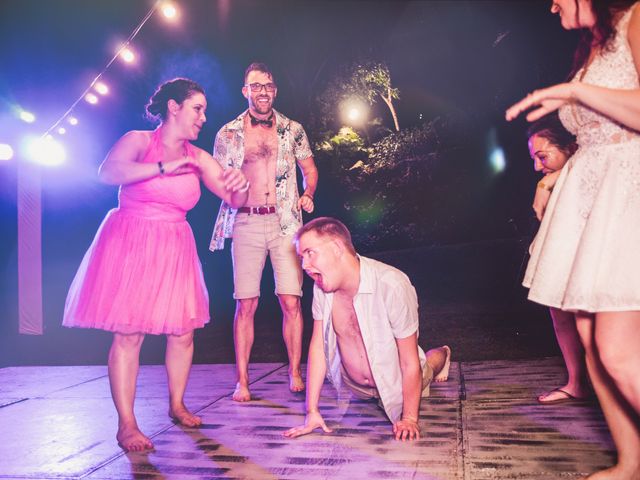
<point x="328" y="227"/>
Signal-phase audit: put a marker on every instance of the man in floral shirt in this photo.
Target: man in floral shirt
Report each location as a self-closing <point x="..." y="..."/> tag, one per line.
<point x="266" y="146"/>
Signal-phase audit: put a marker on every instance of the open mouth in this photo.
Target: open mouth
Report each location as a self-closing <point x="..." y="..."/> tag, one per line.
<point x="317" y="277"/>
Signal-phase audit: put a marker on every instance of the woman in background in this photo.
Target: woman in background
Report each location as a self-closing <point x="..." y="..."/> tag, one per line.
<point x="550" y="146"/>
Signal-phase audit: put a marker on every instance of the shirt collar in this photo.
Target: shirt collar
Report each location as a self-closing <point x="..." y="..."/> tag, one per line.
<point x="366" y="277"/>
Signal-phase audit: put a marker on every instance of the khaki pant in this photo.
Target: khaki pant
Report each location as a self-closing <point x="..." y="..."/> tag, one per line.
<point x="255" y="236"/>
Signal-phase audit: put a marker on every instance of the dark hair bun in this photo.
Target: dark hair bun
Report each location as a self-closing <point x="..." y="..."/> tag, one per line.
<point x="178" y="89"/>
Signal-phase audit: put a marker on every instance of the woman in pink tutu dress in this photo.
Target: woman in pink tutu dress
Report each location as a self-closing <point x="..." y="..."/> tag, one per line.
<point x="142" y="274"/>
<point x="586" y="256"/>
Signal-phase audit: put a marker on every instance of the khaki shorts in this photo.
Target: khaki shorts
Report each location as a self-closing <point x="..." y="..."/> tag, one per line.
<point x="362" y="392"/>
<point x="255" y="236"/>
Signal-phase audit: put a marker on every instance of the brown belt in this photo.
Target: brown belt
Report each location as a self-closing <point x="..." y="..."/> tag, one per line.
<point x="258" y="210"/>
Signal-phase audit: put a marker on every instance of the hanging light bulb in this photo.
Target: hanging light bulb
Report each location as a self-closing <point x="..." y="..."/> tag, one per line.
<point x="91" y="98"/>
<point x="169" y="10"/>
<point x="27" y="116"/>
<point x="101" y="88"/>
<point x="127" y="55"/>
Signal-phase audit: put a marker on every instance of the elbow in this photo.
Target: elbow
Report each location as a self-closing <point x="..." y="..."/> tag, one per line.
<point x="107" y="176"/>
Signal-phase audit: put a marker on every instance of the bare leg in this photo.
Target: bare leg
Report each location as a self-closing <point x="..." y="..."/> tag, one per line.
<point x="439" y="359"/>
<point x="178" y="360"/>
<point x="618" y="341"/>
<point x="292" y="333"/>
<point x="621" y="418"/>
<point x="564" y="324"/>
<point x="124" y="364"/>
<point x="243" y="341"/>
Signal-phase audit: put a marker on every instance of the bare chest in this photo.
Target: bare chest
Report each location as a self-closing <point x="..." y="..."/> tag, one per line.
<point x="353" y="352"/>
<point x="345" y="321"/>
<point x="260" y="148"/>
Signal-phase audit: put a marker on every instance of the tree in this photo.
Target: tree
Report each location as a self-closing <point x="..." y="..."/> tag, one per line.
<point x="365" y="81"/>
<point x="374" y="79"/>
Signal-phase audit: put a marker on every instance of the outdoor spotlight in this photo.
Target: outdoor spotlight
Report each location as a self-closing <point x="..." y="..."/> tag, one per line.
<point x="354" y="112"/>
<point x="45" y="151"/>
<point x="6" y="152"/>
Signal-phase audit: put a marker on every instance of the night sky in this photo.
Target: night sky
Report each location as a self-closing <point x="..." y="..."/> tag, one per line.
<point x="463" y="59"/>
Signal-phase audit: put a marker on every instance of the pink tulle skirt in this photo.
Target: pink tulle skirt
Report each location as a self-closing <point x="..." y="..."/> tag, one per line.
<point x="140" y="275"/>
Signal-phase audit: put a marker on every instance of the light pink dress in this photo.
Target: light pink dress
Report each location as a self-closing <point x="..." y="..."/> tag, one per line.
<point x="142" y="274"/>
<point x="586" y="255"/>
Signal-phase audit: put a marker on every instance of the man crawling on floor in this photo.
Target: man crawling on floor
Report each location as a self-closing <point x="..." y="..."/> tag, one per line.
<point x="365" y="332"/>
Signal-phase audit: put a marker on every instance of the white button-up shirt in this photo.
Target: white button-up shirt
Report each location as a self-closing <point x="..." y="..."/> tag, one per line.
<point x="386" y="306"/>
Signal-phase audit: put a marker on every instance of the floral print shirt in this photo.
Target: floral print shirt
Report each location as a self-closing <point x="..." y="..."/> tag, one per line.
<point x="293" y="146"/>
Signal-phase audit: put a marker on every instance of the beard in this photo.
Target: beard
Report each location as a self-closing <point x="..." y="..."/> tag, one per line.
<point x="260" y="107"/>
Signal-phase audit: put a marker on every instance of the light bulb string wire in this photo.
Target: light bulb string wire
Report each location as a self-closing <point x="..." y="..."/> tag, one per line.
<point x="99" y="76"/>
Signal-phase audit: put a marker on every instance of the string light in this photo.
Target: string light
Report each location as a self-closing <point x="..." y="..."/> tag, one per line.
<point x="123" y="52"/>
<point x="91" y="98"/>
<point x="62" y="131"/>
<point x="27" y="116"/>
<point x="127" y="54"/>
<point x="101" y="88"/>
<point x="169" y="10"/>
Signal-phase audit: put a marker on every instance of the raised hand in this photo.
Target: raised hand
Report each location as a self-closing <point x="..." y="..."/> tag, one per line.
<point x="547" y="100"/>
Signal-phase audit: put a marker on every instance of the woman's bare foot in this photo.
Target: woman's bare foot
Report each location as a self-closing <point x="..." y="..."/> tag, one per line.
<point x="562" y="395"/>
<point x="131" y="439"/>
<point x="241" y="393"/>
<point x="296" y="384"/>
<point x="443" y="374"/>
<point x="184" y="417"/>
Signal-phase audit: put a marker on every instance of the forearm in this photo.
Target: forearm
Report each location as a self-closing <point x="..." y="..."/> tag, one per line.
<point x="310" y="180"/>
<point x="232" y="191"/>
<point x="130" y="172"/>
<point x="623" y="106"/>
<point x="411" y="393"/>
<point x="316" y="372"/>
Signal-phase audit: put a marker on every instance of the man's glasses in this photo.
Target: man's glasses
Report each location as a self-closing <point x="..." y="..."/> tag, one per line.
<point x="257" y="87"/>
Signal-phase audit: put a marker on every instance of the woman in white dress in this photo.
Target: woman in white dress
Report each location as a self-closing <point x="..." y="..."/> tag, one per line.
<point x="586" y="257"/>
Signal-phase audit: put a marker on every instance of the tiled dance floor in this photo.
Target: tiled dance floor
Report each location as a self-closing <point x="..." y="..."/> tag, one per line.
<point x="484" y="423"/>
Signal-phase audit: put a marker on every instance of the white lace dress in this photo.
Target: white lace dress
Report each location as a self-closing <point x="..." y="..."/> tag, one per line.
<point x="586" y="255"/>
